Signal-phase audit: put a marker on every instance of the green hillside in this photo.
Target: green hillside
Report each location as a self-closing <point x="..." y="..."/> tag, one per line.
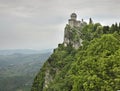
<point x="94" y="66"/>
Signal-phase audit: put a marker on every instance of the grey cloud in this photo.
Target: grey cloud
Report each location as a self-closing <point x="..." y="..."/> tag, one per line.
<point x="40" y="23"/>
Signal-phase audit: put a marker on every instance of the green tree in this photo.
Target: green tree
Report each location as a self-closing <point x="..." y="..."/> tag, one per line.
<point x="90" y="21"/>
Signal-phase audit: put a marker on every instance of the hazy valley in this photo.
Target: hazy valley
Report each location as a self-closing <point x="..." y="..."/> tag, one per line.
<point x="19" y="67"/>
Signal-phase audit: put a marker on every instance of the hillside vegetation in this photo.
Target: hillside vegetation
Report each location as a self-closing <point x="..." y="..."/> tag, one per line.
<point x="95" y="66"/>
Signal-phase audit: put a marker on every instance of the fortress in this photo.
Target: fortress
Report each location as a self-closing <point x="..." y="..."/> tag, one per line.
<point x="73" y="22"/>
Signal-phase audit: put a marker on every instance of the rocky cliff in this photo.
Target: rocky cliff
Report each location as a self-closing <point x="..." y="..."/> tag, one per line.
<point x="53" y="66"/>
<point x="72" y="33"/>
<point x="87" y="60"/>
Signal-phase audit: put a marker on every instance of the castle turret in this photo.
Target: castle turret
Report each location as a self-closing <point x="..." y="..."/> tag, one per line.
<point x="73" y="16"/>
<point x="73" y="21"/>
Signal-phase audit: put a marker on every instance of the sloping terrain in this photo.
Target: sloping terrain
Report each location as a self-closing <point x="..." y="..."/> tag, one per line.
<point x="94" y="66"/>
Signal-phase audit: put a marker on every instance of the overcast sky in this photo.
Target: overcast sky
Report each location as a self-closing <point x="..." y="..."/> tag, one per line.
<point x="39" y="24"/>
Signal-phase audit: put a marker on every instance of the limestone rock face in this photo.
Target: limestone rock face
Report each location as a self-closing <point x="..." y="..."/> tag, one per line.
<point x="72" y="36"/>
<point x="48" y="78"/>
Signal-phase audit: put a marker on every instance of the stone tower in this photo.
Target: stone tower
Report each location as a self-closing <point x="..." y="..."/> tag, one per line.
<point x="73" y="22"/>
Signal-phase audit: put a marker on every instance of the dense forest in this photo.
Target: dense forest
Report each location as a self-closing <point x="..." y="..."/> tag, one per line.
<point x="95" y="66"/>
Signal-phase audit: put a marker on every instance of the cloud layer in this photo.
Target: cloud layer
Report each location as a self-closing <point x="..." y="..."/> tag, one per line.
<point x="39" y="24"/>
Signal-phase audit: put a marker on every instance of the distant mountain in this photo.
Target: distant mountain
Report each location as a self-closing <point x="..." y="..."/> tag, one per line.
<point x="23" y="51"/>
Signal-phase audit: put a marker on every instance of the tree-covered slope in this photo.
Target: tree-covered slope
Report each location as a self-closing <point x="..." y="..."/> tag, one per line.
<point x="95" y="66"/>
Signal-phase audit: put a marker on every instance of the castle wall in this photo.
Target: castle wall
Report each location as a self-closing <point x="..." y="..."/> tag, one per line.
<point x="73" y="17"/>
<point x="71" y="22"/>
<point x="78" y="23"/>
<point x="74" y="23"/>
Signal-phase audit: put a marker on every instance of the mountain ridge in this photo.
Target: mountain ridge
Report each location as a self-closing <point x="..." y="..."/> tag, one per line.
<point x="91" y="66"/>
<point x="23" y="51"/>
